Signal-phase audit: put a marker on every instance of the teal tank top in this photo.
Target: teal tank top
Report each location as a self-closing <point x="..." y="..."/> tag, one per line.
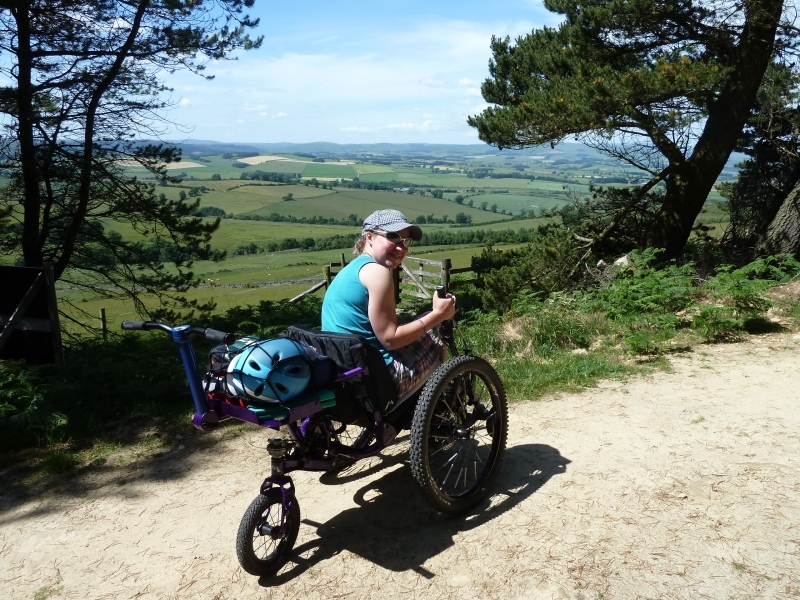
<point x="344" y="309"/>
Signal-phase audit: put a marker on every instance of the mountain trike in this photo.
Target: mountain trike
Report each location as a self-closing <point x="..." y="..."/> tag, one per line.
<point x="458" y="421"/>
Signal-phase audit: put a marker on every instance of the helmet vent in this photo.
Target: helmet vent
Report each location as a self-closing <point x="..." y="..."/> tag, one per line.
<point x="258" y="390"/>
<point x="254" y="365"/>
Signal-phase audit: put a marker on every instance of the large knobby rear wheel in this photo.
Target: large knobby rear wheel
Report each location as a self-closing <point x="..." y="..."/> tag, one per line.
<point x="458" y="436"/>
<point x="261" y="547"/>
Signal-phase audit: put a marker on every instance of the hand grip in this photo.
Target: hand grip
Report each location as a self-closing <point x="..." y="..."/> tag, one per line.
<point x="133" y="325"/>
<point x="441" y="291"/>
<point x="212" y="335"/>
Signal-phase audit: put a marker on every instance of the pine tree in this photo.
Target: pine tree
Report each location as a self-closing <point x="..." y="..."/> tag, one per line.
<point x="663" y="85"/>
<point x="84" y="91"/>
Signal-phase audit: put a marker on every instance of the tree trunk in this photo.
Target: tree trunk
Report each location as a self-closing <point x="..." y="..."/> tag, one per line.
<point x="783" y="234"/>
<point x="31" y="246"/>
<point x="691" y="182"/>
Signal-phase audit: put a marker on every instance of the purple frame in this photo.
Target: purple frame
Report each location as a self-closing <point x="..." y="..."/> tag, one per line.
<point x="209" y="411"/>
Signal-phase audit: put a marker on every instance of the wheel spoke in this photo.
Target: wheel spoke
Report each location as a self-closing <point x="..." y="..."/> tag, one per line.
<point x="455" y="453"/>
<point x="259" y="553"/>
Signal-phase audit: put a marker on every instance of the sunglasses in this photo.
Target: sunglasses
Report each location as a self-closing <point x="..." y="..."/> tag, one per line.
<point x="395" y="238"/>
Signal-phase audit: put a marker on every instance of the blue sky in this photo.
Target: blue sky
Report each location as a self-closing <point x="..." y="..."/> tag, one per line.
<point x="354" y="72"/>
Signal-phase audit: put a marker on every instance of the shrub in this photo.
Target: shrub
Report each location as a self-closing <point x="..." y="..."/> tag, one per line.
<point x="209" y="211"/>
<point x="243" y="249"/>
<point x="547" y="264"/>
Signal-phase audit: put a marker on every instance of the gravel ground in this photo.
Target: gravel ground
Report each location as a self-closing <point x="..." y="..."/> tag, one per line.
<point x="681" y="484"/>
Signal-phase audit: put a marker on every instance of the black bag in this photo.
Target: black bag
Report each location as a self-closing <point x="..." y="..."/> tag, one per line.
<point x="356" y="397"/>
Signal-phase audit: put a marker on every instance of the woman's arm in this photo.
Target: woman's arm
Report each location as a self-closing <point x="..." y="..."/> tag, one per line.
<point x="382" y="310"/>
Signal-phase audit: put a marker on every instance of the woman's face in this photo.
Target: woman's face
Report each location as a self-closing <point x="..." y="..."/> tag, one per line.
<point x="386" y="253"/>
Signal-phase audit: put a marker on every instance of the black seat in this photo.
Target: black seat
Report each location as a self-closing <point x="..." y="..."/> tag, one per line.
<point x="359" y="396"/>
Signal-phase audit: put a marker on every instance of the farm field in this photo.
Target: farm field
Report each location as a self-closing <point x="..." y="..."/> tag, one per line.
<point x="243" y="280"/>
<point x="235" y="232"/>
<point x="343" y="202"/>
<point x="239" y="188"/>
<point x="380" y="177"/>
<point x="362" y="168"/>
<point x="328" y="170"/>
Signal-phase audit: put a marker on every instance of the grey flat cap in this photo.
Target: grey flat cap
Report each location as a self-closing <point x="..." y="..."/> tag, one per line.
<point x="390" y="220"/>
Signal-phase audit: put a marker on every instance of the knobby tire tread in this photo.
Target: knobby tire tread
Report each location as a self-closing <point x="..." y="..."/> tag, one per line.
<point x="244" y="539"/>
<point x="420" y="432"/>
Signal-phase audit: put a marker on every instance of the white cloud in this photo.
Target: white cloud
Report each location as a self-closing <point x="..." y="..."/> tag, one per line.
<point x="402" y="75"/>
<point x="184" y="102"/>
<point x="421" y="127"/>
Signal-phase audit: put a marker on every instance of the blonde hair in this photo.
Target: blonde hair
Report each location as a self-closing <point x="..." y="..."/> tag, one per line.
<point x="358" y="247"/>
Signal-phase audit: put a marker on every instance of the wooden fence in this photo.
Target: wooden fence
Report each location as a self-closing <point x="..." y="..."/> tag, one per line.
<point x="415" y="278"/>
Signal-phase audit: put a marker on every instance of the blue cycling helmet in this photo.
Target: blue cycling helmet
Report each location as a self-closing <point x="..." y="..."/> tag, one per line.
<point x="271" y="371"/>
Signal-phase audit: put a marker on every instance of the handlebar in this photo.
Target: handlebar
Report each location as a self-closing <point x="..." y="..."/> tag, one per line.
<point x="441" y="291"/>
<point x="212" y="335"/>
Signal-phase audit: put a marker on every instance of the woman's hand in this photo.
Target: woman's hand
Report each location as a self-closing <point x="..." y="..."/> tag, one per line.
<point x="443" y="308"/>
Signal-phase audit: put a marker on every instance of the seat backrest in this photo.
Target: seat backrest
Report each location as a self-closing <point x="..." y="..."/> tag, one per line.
<point x="350" y="351"/>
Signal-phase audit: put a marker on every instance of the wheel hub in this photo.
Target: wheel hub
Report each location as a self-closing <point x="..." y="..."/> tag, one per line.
<point x="462" y="434"/>
<point x="271" y="532"/>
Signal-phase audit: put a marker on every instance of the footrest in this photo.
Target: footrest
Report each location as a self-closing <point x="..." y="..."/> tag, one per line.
<point x="279" y="412"/>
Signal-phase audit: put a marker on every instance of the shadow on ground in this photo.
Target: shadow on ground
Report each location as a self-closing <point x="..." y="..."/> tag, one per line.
<point x="394" y="528"/>
<point x="156" y="460"/>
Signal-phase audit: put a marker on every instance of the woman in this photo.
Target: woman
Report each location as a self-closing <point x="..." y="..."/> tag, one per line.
<point x="360" y="300"/>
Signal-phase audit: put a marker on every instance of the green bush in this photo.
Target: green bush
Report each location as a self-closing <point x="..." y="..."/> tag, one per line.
<point x="717" y="322"/>
<point x="547" y="264"/>
<point x="643" y="289"/>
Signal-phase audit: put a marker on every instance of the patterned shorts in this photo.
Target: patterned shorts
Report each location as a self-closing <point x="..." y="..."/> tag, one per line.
<point x="415" y="362"/>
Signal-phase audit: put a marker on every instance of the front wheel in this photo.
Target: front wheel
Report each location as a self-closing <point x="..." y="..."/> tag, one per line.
<point x="458" y="436"/>
<point x="262" y="545"/>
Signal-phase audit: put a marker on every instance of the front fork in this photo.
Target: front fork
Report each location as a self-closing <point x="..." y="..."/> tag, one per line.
<point x="278" y="449"/>
<point x="286" y="485"/>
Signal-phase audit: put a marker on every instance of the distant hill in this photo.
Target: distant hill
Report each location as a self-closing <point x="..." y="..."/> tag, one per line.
<point x="565" y="152"/>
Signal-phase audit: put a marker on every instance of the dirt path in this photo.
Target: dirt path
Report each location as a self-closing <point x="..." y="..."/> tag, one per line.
<point x="677" y="485"/>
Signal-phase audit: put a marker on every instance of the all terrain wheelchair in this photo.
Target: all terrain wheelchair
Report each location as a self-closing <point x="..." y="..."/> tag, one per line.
<point x="458" y="420"/>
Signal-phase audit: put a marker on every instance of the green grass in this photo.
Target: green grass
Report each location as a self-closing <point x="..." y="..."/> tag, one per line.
<point x="118" y="310"/>
<point x="461" y="182"/>
<point x="342" y="202"/>
<point x="279" y="166"/>
<point x="328" y="170"/>
<point x="557" y="186"/>
<point x="247" y="196"/>
<point x="517" y="202"/>
<point x="224" y="167"/>
<point x="528" y="379"/>
<point x="250" y="274"/>
<point x="234" y="232"/>
<point x="362" y="168"/>
<point x="377" y="177"/>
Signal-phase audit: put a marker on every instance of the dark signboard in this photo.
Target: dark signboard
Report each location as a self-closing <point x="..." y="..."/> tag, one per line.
<point x="28" y="303"/>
